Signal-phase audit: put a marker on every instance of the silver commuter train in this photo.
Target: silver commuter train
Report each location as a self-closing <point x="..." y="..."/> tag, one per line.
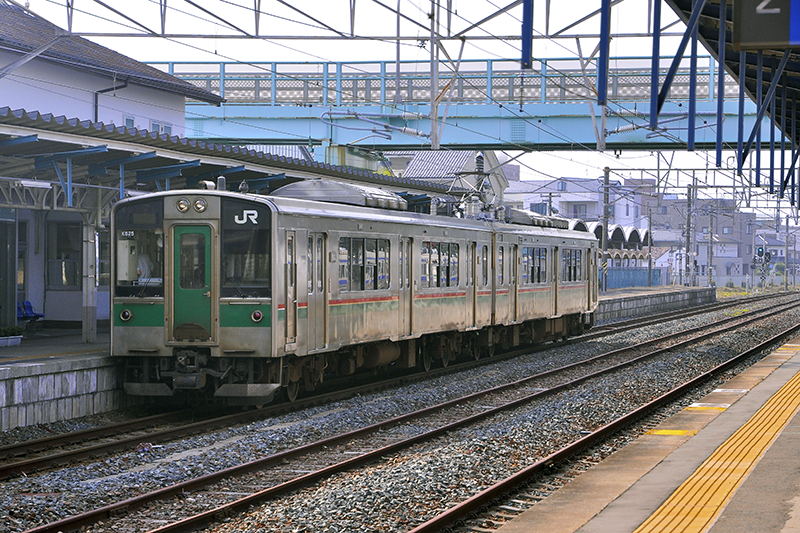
<point x="239" y="296"/>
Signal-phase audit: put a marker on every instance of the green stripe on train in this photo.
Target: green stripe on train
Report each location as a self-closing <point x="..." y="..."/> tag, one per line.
<point x="240" y="315"/>
<point x="142" y="315"/>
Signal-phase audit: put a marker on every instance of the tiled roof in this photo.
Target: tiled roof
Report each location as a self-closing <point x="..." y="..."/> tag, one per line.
<point x="22" y="31"/>
<point x="435" y="163"/>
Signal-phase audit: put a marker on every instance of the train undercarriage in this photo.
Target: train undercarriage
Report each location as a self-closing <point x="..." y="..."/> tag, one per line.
<point x="192" y="374"/>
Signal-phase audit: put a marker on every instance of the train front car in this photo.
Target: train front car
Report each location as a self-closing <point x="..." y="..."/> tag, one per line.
<point x="191" y="299"/>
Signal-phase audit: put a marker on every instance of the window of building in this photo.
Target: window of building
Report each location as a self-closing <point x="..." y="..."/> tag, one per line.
<point x="539" y="208"/>
<point x="627" y="210"/>
<point x="663" y="210"/>
<point x="727" y="230"/>
<point x="579" y="211"/>
<point x="705" y="230"/>
<point x="562" y="185"/>
<point x="161" y="127"/>
<point x="64" y="255"/>
<point x="130" y="122"/>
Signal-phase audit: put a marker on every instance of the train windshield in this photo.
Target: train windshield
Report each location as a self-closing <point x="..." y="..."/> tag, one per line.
<point x="140" y="249"/>
<point x="246" y="250"/>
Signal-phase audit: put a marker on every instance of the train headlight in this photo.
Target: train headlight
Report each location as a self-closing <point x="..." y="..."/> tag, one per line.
<point x="125" y="315"/>
<point x="257" y="316"/>
<point x="200" y="205"/>
<point x="183" y="205"/>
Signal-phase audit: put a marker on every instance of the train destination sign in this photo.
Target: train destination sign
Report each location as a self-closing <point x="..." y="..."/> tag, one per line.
<point x="762" y="24"/>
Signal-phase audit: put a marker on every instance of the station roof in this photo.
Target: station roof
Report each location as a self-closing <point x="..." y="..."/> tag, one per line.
<point x="35" y="146"/>
<point x="789" y="84"/>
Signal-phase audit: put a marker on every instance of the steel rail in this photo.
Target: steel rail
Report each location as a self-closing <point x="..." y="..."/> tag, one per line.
<point x="37" y="463"/>
<point x="208" y="517"/>
<point x="469" y="506"/>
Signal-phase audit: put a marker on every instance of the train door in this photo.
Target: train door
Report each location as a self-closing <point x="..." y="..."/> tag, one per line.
<point x="512" y="282"/>
<point x="191" y="290"/>
<point x="406" y="293"/>
<point x="317" y="299"/>
<point x="554" y="268"/>
<point x="290" y="305"/>
<point x="471" y="320"/>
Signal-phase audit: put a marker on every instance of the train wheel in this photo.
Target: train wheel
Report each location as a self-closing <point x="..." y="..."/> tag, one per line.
<point x="445" y="359"/>
<point x="489" y="350"/>
<point x="426" y="360"/>
<point x="292" y="390"/>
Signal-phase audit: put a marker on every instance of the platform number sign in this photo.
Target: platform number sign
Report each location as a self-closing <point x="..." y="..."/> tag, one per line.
<point x="762" y="24"/>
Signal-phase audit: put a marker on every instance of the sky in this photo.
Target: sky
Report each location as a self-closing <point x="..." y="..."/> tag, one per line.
<point x="287" y="34"/>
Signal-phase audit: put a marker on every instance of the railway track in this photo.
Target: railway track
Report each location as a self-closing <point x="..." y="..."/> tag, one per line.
<point x="287" y="471"/>
<point x="58" y="450"/>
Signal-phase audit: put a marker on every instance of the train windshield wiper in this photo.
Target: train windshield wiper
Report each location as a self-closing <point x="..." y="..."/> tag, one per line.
<point x="233" y="280"/>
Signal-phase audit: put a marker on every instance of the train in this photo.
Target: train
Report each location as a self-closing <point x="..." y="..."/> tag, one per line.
<point x="243" y="298"/>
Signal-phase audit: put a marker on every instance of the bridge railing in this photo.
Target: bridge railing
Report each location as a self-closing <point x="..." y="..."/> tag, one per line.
<point x="478" y="82"/>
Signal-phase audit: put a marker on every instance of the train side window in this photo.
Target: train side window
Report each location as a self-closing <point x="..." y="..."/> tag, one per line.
<point x="344" y="264"/>
<point x="524" y="276"/>
<point x="543" y="266"/>
<point x="454" y="265"/>
<point x="578" y="270"/>
<point x="320" y="259"/>
<point x="444" y="264"/>
<point x="425" y="259"/>
<point x="383" y="264"/>
<point x="357" y="265"/>
<point x="408" y="263"/>
<point x="370" y="264"/>
<point x="400" y="261"/>
<point x="310" y="265"/>
<point x="499" y="265"/>
<point x="469" y="262"/>
<point x="485" y="262"/>
<point x="435" y="274"/>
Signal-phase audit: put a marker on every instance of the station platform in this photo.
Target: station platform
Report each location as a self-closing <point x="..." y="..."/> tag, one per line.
<point x="729" y="463"/>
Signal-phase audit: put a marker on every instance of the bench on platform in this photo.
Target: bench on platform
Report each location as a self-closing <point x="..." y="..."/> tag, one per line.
<point x="26" y="312"/>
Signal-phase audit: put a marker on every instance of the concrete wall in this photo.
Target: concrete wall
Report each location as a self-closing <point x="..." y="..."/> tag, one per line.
<point x="39" y="393"/>
<point x="650" y="303"/>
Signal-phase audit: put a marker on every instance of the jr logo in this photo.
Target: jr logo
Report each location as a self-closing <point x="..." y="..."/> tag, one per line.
<point x="247" y="214"/>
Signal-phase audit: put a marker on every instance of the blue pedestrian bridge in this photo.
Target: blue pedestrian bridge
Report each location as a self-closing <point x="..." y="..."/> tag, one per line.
<point x="490" y="104"/>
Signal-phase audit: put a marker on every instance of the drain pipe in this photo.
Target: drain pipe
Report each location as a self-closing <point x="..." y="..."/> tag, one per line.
<point x="101" y="91"/>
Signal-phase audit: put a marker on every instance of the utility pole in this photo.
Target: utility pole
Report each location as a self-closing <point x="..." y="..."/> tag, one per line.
<point x="550" y="196"/>
<point x="688" y="233"/>
<point x="606" y="175"/>
<point x="786" y="258"/>
<point x="434" y="76"/>
<point x="710" y="247"/>
<point x="649" y="246"/>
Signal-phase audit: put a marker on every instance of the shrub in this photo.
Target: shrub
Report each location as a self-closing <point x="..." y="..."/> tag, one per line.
<point x="11" y="331"/>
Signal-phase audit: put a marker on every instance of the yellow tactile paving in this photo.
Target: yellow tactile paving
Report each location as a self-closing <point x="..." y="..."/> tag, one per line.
<point x="696" y="503"/>
<point x="671" y="432"/>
